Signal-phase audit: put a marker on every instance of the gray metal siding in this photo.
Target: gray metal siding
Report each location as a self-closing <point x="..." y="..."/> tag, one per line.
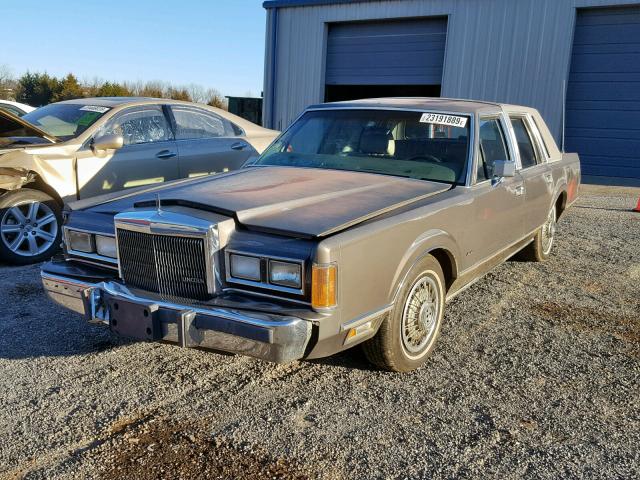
<point x="515" y="51"/>
<point x="407" y="52"/>
<point x="603" y="98"/>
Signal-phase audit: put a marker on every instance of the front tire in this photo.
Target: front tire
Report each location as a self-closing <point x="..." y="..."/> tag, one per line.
<point x="408" y="335"/>
<point x="29" y="226"/>
<point x="540" y="249"/>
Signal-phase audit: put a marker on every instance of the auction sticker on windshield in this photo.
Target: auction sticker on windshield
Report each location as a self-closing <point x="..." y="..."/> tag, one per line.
<point x="94" y="108"/>
<point x="441" y="119"/>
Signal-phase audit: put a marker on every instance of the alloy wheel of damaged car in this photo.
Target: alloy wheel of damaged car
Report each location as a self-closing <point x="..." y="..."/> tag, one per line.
<point x="29" y="226"/>
<point x="409" y="333"/>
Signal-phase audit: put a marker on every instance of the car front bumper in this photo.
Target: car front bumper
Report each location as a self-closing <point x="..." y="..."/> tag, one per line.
<point x="266" y="336"/>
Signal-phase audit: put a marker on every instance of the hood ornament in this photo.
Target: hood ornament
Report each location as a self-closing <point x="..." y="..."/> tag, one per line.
<point x="158" y="205"/>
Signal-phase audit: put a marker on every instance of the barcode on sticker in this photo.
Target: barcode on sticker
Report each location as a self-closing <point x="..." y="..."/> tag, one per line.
<point x="94" y="108"/>
<point x="440" y="119"/>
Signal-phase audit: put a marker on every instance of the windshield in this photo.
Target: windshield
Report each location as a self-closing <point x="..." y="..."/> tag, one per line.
<point x="422" y="145"/>
<point x="65" y="120"/>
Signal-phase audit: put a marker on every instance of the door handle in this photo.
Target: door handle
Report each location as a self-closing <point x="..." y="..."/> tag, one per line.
<point x="165" y="154"/>
<point x="519" y="190"/>
<point x="239" y="146"/>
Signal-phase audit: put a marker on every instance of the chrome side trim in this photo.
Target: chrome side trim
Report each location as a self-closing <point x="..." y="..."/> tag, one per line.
<point x="499" y="252"/>
<point x="361" y="320"/>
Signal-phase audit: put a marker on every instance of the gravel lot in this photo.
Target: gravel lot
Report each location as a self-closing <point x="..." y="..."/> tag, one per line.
<point x="537" y="374"/>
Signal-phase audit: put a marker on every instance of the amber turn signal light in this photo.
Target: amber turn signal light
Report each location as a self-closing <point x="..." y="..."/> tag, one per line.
<point x="323" y="286"/>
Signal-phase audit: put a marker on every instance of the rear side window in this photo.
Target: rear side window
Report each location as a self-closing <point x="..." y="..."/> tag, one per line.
<point x="11" y="109"/>
<point x="492" y="147"/>
<point x="528" y="155"/>
<point x="194" y="123"/>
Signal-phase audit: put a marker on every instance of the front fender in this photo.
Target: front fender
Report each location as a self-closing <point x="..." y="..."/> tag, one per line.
<point x="425" y="244"/>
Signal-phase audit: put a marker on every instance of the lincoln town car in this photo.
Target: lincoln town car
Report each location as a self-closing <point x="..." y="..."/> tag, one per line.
<point x="354" y="227"/>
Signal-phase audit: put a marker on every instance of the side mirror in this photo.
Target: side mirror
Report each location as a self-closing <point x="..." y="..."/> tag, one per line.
<point x="504" y="168"/>
<point x="108" y="142"/>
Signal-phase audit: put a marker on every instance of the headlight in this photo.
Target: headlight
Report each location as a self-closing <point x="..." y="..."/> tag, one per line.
<point x="106" y="246"/>
<point x="285" y="274"/>
<point x="80" y="241"/>
<point x="245" y="267"/>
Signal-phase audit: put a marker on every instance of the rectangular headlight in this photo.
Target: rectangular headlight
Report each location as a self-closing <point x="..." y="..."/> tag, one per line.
<point x="80" y="241"/>
<point x="245" y="267"/>
<point x="106" y="246"/>
<point x="285" y="274"/>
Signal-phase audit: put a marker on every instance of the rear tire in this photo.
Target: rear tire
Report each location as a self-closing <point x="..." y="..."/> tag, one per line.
<point x="407" y="336"/>
<point x="29" y="226"/>
<point x="540" y="249"/>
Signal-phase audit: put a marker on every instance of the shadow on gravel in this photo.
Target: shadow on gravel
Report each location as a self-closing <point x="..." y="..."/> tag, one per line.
<point x="608" y="209"/>
<point x="353" y="359"/>
<point x="31" y="327"/>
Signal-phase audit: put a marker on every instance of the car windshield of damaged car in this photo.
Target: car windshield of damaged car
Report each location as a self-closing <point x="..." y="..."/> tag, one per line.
<point x="65" y="120"/>
<point x="421" y="145"/>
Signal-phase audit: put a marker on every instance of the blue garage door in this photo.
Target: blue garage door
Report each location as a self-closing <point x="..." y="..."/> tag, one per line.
<point x="404" y="52"/>
<point x="603" y="94"/>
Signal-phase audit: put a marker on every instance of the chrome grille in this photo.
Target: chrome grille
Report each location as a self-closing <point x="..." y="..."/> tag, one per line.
<point x="172" y="266"/>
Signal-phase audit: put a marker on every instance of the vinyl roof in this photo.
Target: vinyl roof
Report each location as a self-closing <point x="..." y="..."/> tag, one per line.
<point x="421" y="103"/>
<point x="116" y="101"/>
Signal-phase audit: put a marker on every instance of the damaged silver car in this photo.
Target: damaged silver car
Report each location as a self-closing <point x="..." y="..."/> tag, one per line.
<point x="86" y="147"/>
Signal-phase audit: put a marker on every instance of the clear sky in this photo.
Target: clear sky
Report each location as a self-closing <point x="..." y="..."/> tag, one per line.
<point x="214" y="43"/>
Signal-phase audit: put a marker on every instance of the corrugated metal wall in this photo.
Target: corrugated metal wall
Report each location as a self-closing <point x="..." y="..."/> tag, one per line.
<point x="515" y="51"/>
<point x="603" y="97"/>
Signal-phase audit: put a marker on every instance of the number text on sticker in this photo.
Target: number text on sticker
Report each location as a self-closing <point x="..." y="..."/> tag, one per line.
<point x="441" y="119"/>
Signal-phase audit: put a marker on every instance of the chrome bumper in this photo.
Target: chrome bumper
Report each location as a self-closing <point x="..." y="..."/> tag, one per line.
<point x="266" y="336"/>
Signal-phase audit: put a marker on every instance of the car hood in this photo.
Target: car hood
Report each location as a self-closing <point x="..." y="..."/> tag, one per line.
<point x="15" y="131"/>
<point x="303" y="202"/>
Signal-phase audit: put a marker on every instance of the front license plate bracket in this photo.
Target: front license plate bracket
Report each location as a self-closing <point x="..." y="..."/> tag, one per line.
<point x="134" y="319"/>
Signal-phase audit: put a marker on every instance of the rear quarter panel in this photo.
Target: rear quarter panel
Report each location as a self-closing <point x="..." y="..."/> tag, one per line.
<point x="566" y="176"/>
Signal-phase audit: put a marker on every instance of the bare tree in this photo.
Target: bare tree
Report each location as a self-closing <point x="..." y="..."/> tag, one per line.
<point x="215" y="99"/>
<point x="197" y="93"/>
<point x="7" y="83"/>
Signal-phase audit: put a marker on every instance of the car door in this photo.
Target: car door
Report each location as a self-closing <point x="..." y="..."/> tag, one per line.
<point x="149" y="153"/>
<point x="538" y="179"/>
<point x="207" y="143"/>
<point x="499" y="202"/>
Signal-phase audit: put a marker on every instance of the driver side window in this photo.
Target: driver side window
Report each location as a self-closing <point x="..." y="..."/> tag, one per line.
<point x="492" y="147"/>
<point x="139" y="125"/>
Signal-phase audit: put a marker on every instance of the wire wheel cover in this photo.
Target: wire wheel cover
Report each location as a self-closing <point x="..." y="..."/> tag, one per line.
<point x="420" y="315"/>
<point x="549" y="231"/>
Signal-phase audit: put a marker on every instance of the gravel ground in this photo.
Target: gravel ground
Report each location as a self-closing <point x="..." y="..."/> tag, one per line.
<point x="537" y="374"/>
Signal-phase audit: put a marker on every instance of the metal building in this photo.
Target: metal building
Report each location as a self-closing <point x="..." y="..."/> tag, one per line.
<point x="530" y="52"/>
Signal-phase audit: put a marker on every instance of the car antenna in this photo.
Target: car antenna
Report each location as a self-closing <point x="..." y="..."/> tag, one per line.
<point x="564" y="111"/>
